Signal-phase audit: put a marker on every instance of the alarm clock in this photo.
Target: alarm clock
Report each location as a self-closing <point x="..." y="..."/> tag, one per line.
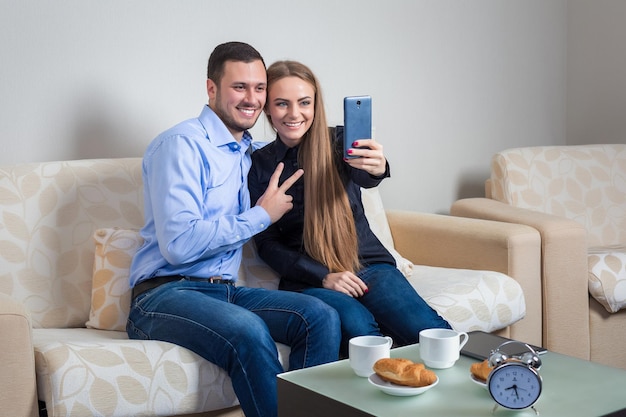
<point x="514" y="382"/>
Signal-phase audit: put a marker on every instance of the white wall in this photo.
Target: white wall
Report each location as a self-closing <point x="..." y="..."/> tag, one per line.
<point x="452" y="81"/>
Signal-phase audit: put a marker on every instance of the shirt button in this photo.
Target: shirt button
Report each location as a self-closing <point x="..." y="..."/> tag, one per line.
<point x="262" y="225"/>
<point x="238" y="237"/>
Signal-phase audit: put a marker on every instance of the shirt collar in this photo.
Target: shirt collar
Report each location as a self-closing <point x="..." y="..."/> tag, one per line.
<point x="281" y="149"/>
<point x="218" y="134"/>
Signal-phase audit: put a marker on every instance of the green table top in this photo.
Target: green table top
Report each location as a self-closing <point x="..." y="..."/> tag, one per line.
<point x="571" y="387"/>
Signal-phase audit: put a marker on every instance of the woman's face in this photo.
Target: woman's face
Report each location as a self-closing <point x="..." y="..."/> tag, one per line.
<point x="291" y="106"/>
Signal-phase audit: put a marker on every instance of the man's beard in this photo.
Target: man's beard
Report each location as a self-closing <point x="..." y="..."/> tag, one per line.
<point x="228" y="120"/>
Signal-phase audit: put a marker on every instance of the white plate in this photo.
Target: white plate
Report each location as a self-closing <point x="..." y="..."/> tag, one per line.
<point x="478" y="381"/>
<point x="398" y="390"/>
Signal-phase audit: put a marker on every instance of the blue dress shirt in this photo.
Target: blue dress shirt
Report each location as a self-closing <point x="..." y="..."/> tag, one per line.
<point x="196" y="202"/>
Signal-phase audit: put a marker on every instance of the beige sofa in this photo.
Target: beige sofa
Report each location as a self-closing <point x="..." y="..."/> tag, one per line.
<point x="68" y="231"/>
<point x="575" y="197"/>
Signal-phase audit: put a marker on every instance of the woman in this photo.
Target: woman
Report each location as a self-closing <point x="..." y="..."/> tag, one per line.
<point x="324" y="246"/>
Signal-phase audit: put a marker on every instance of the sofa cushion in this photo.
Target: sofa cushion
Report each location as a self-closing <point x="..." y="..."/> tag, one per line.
<point x="253" y="272"/>
<point x="470" y="299"/>
<point x="91" y="372"/>
<point x="583" y="183"/>
<point x="110" y="290"/>
<point x="377" y="219"/>
<point x="607" y="276"/>
<point x="50" y="211"/>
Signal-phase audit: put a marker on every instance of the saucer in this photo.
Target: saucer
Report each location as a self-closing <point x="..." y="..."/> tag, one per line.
<point x="478" y="381"/>
<point x="398" y="390"/>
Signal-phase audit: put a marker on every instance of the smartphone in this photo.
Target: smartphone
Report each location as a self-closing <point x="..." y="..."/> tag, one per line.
<point x="480" y="345"/>
<point x="357" y="121"/>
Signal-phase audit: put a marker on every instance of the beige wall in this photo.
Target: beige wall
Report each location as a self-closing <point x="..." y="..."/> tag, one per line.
<point x="452" y="81"/>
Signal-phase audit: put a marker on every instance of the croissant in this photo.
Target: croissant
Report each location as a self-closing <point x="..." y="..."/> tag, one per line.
<point x="404" y="372"/>
<point x="481" y="370"/>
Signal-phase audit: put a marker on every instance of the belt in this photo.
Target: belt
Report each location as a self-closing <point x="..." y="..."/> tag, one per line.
<point x="151" y="283"/>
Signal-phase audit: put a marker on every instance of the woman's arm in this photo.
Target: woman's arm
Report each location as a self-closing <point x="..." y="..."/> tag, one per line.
<point x="367" y="171"/>
<point x="290" y="264"/>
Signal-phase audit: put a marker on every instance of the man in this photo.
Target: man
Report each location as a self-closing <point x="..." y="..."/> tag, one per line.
<point x="198" y="216"/>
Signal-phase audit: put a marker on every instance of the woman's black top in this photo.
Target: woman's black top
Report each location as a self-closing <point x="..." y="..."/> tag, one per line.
<point x="281" y="245"/>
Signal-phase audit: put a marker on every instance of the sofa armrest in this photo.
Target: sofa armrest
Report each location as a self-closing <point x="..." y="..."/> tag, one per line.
<point x="456" y="242"/>
<point x="564" y="270"/>
<point x="18" y="387"/>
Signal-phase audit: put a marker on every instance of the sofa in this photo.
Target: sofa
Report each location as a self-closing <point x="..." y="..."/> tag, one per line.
<point x="575" y="197"/>
<point x="69" y="229"/>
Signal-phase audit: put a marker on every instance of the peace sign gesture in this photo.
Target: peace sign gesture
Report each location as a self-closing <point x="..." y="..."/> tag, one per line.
<point x="274" y="200"/>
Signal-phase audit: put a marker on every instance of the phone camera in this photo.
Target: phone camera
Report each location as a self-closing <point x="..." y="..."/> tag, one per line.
<point x="358" y="102"/>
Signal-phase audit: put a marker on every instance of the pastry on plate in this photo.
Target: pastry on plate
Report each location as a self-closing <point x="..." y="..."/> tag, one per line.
<point x="404" y="372"/>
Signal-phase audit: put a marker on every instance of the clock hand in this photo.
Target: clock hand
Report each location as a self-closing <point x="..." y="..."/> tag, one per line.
<point x="514" y="388"/>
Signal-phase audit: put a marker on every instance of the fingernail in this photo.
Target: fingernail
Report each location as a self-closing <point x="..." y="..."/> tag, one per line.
<point x="355" y="144"/>
<point x="367" y="290"/>
<point x="349" y="151"/>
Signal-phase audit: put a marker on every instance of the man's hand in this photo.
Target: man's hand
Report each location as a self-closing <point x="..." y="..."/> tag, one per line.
<point x="274" y="200"/>
<point x="345" y="282"/>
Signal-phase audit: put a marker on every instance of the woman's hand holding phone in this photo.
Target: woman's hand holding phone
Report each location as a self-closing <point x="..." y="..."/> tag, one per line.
<point x="368" y="156"/>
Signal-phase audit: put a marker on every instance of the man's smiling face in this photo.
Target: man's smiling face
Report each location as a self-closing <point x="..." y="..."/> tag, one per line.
<point x="241" y="95"/>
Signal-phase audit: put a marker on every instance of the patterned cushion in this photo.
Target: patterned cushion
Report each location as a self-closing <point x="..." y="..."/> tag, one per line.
<point x="86" y="372"/>
<point x="110" y="291"/>
<point x="469" y="299"/>
<point x="583" y="183"/>
<point x="607" y="277"/>
<point x="49" y="211"/>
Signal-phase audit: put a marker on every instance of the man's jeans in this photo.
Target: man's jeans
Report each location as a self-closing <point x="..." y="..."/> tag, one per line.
<point x="235" y="328"/>
<point x="391" y="306"/>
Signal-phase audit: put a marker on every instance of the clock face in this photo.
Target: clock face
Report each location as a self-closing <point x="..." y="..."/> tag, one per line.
<point x="514" y="385"/>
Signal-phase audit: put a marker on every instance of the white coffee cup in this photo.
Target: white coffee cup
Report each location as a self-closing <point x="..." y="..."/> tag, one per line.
<point x="439" y="348"/>
<point x="364" y="351"/>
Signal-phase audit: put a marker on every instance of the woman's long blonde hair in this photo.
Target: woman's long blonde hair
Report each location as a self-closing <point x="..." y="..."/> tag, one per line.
<point x="329" y="230"/>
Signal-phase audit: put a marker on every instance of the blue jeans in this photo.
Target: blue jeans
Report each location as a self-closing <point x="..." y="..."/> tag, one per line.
<point x="235" y="328"/>
<point x="391" y="307"/>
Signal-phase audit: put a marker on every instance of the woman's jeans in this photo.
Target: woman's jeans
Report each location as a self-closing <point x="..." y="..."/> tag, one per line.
<point x="235" y="328"/>
<point x="391" y="307"/>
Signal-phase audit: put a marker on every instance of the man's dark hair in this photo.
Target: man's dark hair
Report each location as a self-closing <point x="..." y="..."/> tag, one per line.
<point x="230" y="51"/>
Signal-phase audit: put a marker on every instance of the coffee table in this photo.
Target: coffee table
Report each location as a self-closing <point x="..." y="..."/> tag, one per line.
<point x="571" y="387"/>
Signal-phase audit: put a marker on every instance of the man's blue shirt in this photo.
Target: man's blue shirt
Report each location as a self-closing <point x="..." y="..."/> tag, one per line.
<point x="196" y="202"/>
